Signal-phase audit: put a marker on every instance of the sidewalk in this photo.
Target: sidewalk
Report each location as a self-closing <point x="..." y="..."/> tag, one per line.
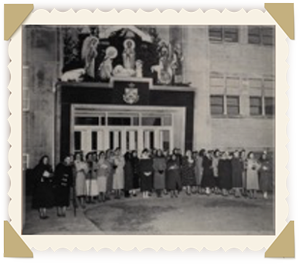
<point x="69" y="225"/>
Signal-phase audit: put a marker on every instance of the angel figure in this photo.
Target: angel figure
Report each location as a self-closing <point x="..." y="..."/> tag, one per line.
<point x="88" y="55"/>
<point x="106" y="69"/>
<point x="164" y="68"/>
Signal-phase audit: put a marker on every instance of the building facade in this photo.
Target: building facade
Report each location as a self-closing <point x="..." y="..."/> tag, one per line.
<point x="222" y="94"/>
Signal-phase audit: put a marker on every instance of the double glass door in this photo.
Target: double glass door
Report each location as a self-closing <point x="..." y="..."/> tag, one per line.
<point x="88" y="138"/>
<point x="99" y="127"/>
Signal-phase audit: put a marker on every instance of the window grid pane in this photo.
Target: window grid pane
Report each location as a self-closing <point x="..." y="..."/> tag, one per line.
<point x="216" y="105"/>
<point x="233" y="105"/>
<point x="255" y="106"/>
<point x="268" y="36"/>
<point x="254" y="36"/>
<point x="231" y="34"/>
<point x="269" y="106"/>
<point x="215" y="33"/>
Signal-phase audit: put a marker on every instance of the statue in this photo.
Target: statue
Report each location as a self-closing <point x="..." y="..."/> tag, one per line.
<point x="88" y="55"/>
<point x="129" y="54"/>
<point x="139" y="69"/>
<point x="177" y="64"/>
<point x="106" y="69"/>
<point x="164" y="68"/>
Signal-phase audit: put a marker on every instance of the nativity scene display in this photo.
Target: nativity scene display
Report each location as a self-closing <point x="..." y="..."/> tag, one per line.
<point x="99" y="53"/>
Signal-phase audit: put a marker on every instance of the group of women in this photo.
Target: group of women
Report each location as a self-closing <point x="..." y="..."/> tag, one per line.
<point x="99" y="175"/>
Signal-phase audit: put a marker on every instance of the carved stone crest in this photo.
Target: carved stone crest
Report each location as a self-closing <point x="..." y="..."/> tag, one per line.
<point x="131" y="95"/>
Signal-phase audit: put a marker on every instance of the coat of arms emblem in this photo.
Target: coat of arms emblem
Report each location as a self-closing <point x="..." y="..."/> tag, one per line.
<point x="131" y="95"/>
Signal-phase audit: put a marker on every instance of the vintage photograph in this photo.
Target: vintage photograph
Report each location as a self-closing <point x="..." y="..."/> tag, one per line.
<point x="148" y="129"/>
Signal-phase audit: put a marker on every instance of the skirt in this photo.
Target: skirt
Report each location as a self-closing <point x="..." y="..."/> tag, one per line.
<point x="102" y="182"/>
<point x="92" y="187"/>
<point x="80" y="185"/>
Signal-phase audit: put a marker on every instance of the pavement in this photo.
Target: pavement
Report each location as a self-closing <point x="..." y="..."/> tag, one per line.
<point x="189" y="215"/>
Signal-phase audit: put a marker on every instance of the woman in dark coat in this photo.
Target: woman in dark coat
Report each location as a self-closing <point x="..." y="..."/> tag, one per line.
<point x="135" y="163"/>
<point x="188" y="172"/>
<point x="159" y="167"/>
<point x="208" y="175"/>
<point x="237" y="174"/>
<point x="42" y="190"/>
<point x="63" y="181"/>
<point x="146" y="173"/>
<point x="225" y="173"/>
<point x="128" y="174"/>
<point x="265" y="175"/>
<point x="109" y="181"/>
<point x="173" y="176"/>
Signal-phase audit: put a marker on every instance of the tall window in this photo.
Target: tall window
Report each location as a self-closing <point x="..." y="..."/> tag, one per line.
<point x="219" y="34"/>
<point x="217" y="104"/>
<point x="269" y="106"/>
<point x="263" y="102"/>
<point x="255" y="105"/>
<point x="261" y="35"/>
<point x="233" y="105"/>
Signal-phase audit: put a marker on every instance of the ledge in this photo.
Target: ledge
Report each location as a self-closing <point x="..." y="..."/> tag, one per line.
<point x="109" y="85"/>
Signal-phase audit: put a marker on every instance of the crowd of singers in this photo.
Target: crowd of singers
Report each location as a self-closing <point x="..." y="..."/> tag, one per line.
<point x="98" y="176"/>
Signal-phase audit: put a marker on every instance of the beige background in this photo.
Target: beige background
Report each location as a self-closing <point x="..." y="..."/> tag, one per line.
<point x="155" y="242"/>
<point x="190" y="255"/>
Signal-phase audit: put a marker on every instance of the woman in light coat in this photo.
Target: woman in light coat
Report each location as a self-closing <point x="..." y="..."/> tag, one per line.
<point x="118" y="178"/>
<point x="253" y="168"/>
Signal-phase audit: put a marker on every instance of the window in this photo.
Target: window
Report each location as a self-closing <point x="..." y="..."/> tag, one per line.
<point x="269" y="106"/>
<point x="89" y="120"/>
<point x="261" y="35"/>
<point x="216" y="80"/>
<point x="255" y="105"/>
<point x="233" y="105"/>
<point x="151" y="121"/>
<point x="119" y="121"/>
<point x="232" y="82"/>
<point x="216" y="104"/>
<point x="25" y="162"/>
<point x="223" y="34"/>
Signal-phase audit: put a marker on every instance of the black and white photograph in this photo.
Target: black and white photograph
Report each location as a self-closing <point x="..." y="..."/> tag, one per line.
<point x="148" y="129"/>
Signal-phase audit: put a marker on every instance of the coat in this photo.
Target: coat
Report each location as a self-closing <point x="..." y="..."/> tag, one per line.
<point x="103" y="171"/>
<point x="63" y="180"/>
<point x="198" y="170"/>
<point x="159" y="167"/>
<point x="252" y="174"/>
<point x="81" y="170"/>
<point x="128" y="174"/>
<point x="237" y="173"/>
<point x="118" y="178"/>
<point x="173" y="176"/>
<point x="225" y="174"/>
<point x="136" y="172"/>
<point x="265" y="175"/>
<point x="188" y="172"/>
<point x="43" y="187"/>
<point x="146" y="166"/>
<point x="208" y="176"/>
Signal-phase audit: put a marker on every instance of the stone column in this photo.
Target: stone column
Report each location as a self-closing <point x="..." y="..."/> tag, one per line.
<point x="196" y="70"/>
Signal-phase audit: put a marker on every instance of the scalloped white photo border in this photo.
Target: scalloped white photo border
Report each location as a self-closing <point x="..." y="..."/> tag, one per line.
<point x="127" y="242"/>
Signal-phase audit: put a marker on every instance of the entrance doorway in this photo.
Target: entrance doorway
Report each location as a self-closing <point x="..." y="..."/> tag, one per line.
<point x="96" y="128"/>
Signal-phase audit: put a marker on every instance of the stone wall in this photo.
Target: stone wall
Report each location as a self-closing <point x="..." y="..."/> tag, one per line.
<point x="40" y="72"/>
